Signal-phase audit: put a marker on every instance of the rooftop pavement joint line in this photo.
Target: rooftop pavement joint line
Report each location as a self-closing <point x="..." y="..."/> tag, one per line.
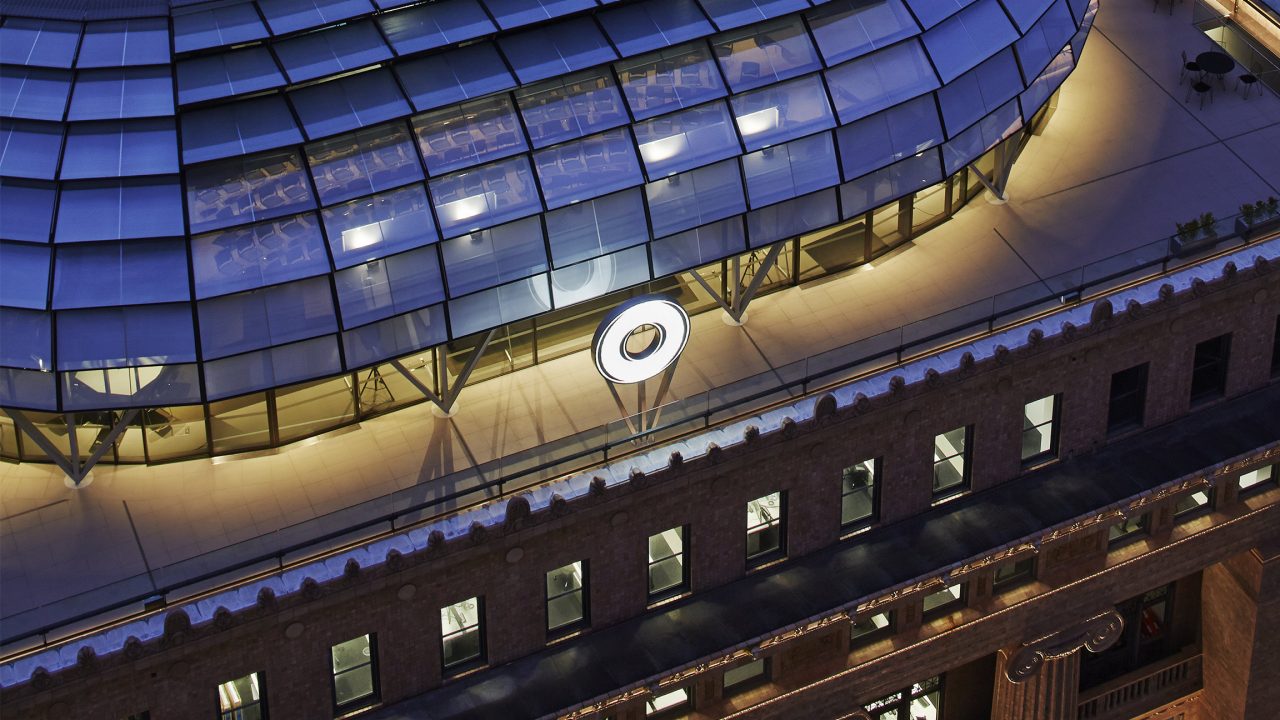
<point x="493" y="513"/>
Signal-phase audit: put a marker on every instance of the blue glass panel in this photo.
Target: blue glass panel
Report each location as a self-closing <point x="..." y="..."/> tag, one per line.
<point x="499" y="306"/>
<point x="598" y="227"/>
<point x="395" y="336"/>
<point x="883" y="78"/>
<point x="120" y="273"/>
<point x="931" y="12"/>
<point x="216" y="27"/>
<point x="484" y="196"/>
<point x="736" y="13"/>
<point x="587" y="168"/>
<point x="272" y="367"/>
<point x="434" y="25"/>
<point x="467" y="72"/>
<point x="778" y="113"/>
<point x="981" y="137"/>
<point x="654" y="24"/>
<point x="888" y="136"/>
<point x="389" y="286"/>
<point x="686" y="139"/>
<point x="28" y="209"/>
<point x="378" y="226"/>
<point x="125" y="337"/>
<point x="669" y="79"/>
<point x="246" y="189"/>
<point x="696" y="247"/>
<point x="901" y="178"/>
<point x="795" y="168"/>
<point x="765" y="53"/>
<point x="47" y="43"/>
<point x="238" y="128"/>
<point x="556" y="49"/>
<point x="363" y="162"/>
<point x="570" y="107"/>
<point x="146" y="386"/>
<point x="35" y="93"/>
<point x="118" y="148"/>
<point x="226" y="74"/>
<point x="271" y="316"/>
<point x="331" y="51"/>
<point x="598" y="276"/>
<point x="694" y="198"/>
<point x="24" y="276"/>
<point x="1026" y="12"/>
<point x="966" y="39"/>
<point x="846" y="29"/>
<point x="513" y="13"/>
<point x="258" y="255"/>
<point x="115" y="43"/>
<point x="27" y="339"/>
<point x="285" y="16"/>
<point x="979" y="91"/>
<point x="122" y="93"/>
<point x="468" y="134"/>
<point x="791" y="218"/>
<point x="27" y="388"/>
<point x="1043" y="86"/>
<point x="348" y="103"/>
<point x="491" y="257"/>
<point x="1045" y="40"/>
<point x="119" y="209"/>
<point x="29" y="149"/>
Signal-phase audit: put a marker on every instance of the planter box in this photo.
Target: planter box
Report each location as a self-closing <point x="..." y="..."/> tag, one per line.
<point x="1257" y="227"/>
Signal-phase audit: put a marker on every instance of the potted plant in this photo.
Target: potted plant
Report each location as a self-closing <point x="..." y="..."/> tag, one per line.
<point x="1187" y="231"/>
<point x="1208" y="226"/>
<point x="1260" y="217"/>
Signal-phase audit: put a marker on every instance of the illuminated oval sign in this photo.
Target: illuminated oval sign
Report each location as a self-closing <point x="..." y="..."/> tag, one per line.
<point x="622" y="366"/>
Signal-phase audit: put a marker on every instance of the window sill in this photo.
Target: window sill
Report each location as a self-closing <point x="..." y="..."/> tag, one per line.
<point x="949" y="494"/>
<point x="668" y="598"/>
<point x="765" y="561"/>
<point x="1035" y="462"/>
<point x="857" y="528"/>
<point x="559" y="635"/>
<point x="453" y="672"/>
<point x="342" y="714"/>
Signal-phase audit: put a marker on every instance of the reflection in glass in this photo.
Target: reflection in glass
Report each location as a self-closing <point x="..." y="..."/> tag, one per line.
<point x="256" y="255"/>
<point x="468" y="134"/>
<point x="673" y="78"/>
<point x="846" y="29"/>
<point x="571" y="106"/>
<point x="245" y="189"/>
<point x="765" y="53"/>
<point x="587" y="168"/>
<point x="363" y="162"/>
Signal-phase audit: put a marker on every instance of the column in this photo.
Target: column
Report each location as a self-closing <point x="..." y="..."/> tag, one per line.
<point x="1040" y="680"/>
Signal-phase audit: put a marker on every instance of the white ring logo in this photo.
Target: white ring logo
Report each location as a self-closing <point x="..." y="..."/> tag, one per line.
<point x="621" y="366"/>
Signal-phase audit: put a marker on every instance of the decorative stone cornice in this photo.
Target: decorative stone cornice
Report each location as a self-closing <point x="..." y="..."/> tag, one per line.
<point x="1094" y="634"/>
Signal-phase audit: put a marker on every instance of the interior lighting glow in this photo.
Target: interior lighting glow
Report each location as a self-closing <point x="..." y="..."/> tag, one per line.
<point x="467" y="207"/>
<point x="361" y="237"/>
<point x="664" y="148"/>
<point x="609" y="346"/>
<point x="759" y="121"/>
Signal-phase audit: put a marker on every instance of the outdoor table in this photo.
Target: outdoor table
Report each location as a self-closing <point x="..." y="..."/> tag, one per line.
<point x="1215" y="63"/>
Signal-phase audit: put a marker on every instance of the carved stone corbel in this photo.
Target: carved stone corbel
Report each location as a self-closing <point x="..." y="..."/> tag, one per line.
<point x="1095" y="635"/>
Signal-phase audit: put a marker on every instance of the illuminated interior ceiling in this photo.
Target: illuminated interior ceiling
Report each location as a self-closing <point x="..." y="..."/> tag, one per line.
<point x="214" y="199"/>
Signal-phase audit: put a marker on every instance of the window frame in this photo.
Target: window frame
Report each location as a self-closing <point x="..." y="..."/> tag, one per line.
<point x="871" y="636"/>
<point x="1116" y="426"/>
<point x="750" y="682"/>
<point x="478" y="660"/>
<point x="1055" y="425"/>
<point x="1219" y="365"/>
<point x="966" y="456"/>
<point x="767" y="556"/>
<point x="584" y="585"/>
<point x="678" y="710"/>
<point x="901" y="705"/>
<point x="655" y="596"/>
<point x="1141" y="528"/>
<point x="1259" y="485"/>
<point x="948" y="607"/>
<point x="1188" y="513"/>
<point x="261" y="702"/>
<point x="361" y="702"/>
<point x="1018" y="579"/>
<point x="849" y="526"/>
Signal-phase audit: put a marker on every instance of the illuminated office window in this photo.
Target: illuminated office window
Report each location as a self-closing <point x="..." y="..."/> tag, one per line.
<point x="944" y="600"/>
<point x="669" y="704"/>
<point x="1128" y="529"/>
<point x="951" y="460"/>
<point x="1259" y="479"/>
<point x="566" y="597"/>
<point x="243" y="699"/>
<point x="668" y="572"/>
<point x="866" y="627"/>
<point x="921" y="701"/>
<point x="461" y="632"/>
<point x="766" y="533"/>
<point x="1040" y="429"/>
<point x="355" y="679"/>
<point x="1193" y="503"/>
<point x="858" y="493"/>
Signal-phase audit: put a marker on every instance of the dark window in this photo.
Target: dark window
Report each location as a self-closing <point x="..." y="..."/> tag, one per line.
<point x="355" y="676"/>
<point x="1014" y="573"/>
<point x="462" y="633"/>
<point x="945" y="600"/>
<point x="1193" y="503"/>
<point x="1128" y="529"/>
<point x="1275" y="351"/>
<point x="243" y="698"/>
<point x="766" y="530"/>
<point x="566" y="597"/>
<point x="747" y="676"/>
<point x="1040" y="429"/>
<point x="951" y="460"/>
<point x="1259" y="479"/>
<point x="921" y="700"/>
<point x="867" y="627"/>
<point x="1128" y="398"/>
<point x="669" y="703"/>
<point x="668" y="571"/>
<point x="858" y="498"/>
<point x="1209" y="369"/>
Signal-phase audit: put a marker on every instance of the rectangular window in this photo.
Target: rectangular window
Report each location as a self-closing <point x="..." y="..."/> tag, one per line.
<point x="1013" y="573"/>
<point x="1127" y="530"/>
<point x="921" y="701"/>
<point x="1259" y="479"/>
<point x="858" y="494"/>
<point x="867" y="627"/>
<point x="669" y="704"/>
<point x="355" y="677"/>
<point x="1128" y="398"/>
<point x="566" y="597"/>
<point x="462" y="633"/>
<point x="668" y="573"/>
<point x="745" y="677"/>
<point x="766" y="533"/>
<point x="951" y="460"/>
<point x="1040" y="429"/>
<point x="1209" y="369"/>
<point x="945" y="600"/>
<point x="243" y="699"/>
<point x="1189" y="505"/>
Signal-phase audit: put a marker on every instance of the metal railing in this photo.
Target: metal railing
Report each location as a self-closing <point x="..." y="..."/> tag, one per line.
<point x="377" y="517"/>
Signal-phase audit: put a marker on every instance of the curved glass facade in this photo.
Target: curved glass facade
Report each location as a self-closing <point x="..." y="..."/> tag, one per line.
<point x="232" y="214"/>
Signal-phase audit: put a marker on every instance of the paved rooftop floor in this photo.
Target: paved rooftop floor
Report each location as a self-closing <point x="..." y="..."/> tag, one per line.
<point x="1123" y="158"/>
